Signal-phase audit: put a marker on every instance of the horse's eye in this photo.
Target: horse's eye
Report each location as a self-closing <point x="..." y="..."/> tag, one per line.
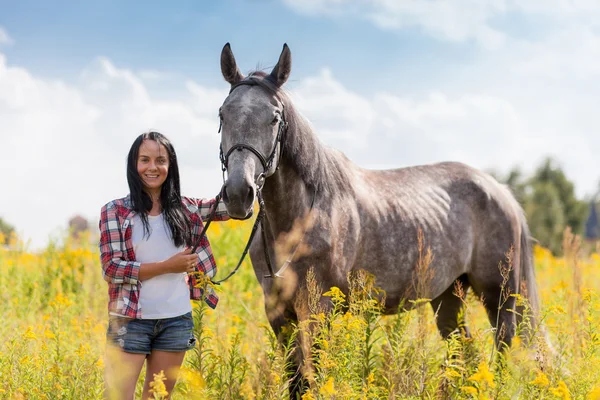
<point x="275" y="120"/>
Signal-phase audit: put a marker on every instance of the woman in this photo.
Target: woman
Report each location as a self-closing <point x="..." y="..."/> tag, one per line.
<point x="145" y="242"/>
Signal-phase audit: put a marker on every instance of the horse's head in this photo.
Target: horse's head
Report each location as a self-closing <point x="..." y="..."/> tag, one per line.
<point x="252" y="128"/>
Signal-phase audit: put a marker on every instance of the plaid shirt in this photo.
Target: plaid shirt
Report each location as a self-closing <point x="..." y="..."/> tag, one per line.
<point x="119" y="267"/>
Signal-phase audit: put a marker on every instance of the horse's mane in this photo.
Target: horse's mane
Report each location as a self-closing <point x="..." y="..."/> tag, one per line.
<point x="319" y="166"/>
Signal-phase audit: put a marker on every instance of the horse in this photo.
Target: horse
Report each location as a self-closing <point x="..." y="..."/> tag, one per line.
<point x="362" y="219"/>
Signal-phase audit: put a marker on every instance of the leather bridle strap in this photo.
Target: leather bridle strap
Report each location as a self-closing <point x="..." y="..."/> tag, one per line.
<point x="267" y="162"/>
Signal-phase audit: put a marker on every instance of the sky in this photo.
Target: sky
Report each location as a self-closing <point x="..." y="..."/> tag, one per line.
<point x="496" y="84"/>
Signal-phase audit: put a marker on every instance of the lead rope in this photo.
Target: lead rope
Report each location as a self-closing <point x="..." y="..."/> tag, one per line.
<point x="259" y="221"/>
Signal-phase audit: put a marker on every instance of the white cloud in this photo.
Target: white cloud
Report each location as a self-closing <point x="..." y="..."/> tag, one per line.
<point x="4" y="38"/>
<point x="495" y="124"/>
<point x="65" y="144"/>
<point x="388" y="130"/>
<point x="570" y="53"/>
<point x="341" y="115"/>
<point x="456" y="20"/>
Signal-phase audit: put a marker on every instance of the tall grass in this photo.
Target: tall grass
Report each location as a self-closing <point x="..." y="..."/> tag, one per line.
<point x="54" y="323"/>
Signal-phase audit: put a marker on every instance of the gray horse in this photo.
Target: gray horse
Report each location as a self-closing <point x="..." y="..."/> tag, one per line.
<point x="365" y="219"/>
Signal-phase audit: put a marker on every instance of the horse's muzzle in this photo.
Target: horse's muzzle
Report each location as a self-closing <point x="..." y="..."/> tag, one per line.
<point x="238" y="197"/>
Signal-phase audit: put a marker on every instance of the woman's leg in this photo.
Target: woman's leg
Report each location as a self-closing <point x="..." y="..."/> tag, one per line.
<point x="166" y="361"/>
<point x="121" y="372"/>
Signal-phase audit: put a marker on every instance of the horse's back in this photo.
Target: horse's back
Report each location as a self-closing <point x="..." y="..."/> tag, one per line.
<point x="462" y="213"/>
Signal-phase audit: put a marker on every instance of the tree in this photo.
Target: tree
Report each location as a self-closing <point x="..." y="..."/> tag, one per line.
<point x="574" y="210"/>
<point x="6" y="229"/>
<point x="77" y="225"/>
<point x="545" y="215"/>
<point x="550" y="204"/>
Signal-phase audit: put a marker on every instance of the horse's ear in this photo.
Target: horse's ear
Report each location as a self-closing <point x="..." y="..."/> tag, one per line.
<point x="229" y="68"/>
<point x="283" y="68"/>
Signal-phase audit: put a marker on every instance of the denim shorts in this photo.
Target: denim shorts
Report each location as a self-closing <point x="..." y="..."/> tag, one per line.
<point x="144" y="335"/>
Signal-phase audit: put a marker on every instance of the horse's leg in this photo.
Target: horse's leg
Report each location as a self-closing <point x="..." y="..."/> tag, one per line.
<point x="499" y="306"/>
<point x="283" y="326"/>
<point x="448" y="307"/>
<point x="495" y="292"/>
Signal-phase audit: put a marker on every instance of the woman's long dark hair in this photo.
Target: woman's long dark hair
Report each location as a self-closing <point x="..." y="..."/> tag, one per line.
<point x="170" y="192"/>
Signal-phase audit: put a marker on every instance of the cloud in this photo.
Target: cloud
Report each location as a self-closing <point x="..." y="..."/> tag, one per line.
<point x="496" y="123"/>
<point x="4" y="38"/>
<point x="388" y="130"/>
<point x="65" y="144"/>
<point x="488" y="22"/>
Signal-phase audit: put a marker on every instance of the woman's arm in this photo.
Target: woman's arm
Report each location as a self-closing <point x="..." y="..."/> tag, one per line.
<point x="115" y="269"/>
<point x="205" y="207"/>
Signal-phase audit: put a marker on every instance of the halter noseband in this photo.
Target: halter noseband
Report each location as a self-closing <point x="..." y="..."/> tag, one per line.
<point x="266" y="163"/>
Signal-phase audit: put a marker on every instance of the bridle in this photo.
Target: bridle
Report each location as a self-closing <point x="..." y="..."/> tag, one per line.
<point x="267" y="164"/>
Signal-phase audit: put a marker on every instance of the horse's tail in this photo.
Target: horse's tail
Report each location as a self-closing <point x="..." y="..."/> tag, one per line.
<point x="528" y="286"/>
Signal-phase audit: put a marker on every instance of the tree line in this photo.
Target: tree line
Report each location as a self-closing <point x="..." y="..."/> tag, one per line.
<point x="550" y="203"/>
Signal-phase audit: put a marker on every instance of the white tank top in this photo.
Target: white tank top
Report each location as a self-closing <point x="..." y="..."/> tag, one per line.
<point x="166" y="295"/>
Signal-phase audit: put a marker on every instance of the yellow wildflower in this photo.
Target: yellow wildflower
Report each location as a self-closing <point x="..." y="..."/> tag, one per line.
<point x="29" y="334"/>
<point x="540" y="380"/>
<point x="588" y="294"/>
<point x="246" y="390"/>
<point x="308" y="396"/>
<point x="469" y="390"/>
<point x="557" y="309"/>
<point x="231" y="331"/>
<point x="193" y="378"/>
<point x="49" y="334"/>
<point x="83" y="350"/>
<point x="328" y="389"/>
<point x="451" y="373"/>
<point x="336" y="295"/>
<point x="157" y="386"/>
<point x="594" y="394"/>
<point x="561" y="391"/>
<point x="483" y="375"/>
<point x="62" y="300"/>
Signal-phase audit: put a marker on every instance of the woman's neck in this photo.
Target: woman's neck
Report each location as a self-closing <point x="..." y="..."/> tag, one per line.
<point x="156" y="207"/>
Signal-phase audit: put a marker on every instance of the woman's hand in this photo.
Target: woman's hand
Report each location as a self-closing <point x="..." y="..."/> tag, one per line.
<point x="182" y="262"/>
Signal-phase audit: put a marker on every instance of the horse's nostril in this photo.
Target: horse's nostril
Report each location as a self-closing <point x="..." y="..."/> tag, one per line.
<point x="250" y="195"/>
<point x="225" y="195"/>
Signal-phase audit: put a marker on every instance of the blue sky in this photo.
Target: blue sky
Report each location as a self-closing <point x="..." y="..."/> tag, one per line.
<point x="58" y="40"/>
<point x="492" y="83"/>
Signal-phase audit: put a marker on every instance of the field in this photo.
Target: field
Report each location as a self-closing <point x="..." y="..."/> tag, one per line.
<point x="54" y="324"/>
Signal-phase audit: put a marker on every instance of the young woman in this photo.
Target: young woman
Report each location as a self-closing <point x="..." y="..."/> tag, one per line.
<point x="145" y="245"/>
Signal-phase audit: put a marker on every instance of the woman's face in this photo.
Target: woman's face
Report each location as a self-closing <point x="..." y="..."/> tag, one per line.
<point x="153" y="165"/>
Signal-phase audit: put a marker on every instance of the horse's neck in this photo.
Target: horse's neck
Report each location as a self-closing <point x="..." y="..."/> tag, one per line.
<point x="318" y="166"/>
<point x="287" y="198"/>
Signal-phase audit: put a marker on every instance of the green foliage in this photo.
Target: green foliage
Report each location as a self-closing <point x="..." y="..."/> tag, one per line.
<point x="550" y="203"/>
<point x="6" y="230"/>
<point x="545" y="215"/>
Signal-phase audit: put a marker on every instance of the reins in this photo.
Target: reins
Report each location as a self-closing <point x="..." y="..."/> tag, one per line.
<point x="266" y="163"/>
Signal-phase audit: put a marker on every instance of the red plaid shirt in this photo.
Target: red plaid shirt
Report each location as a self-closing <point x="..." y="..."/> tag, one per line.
<point x="119" y="267"/>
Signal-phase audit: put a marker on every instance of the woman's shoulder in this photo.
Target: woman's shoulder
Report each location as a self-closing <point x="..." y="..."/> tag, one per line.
<point x="191" y="203"/>
<point x="123" y="202"/>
